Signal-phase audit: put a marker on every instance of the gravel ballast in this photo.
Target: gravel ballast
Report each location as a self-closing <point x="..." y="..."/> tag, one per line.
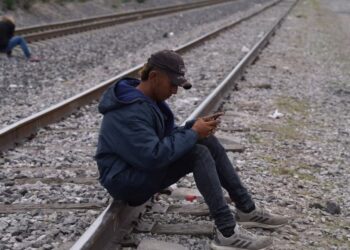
<point x="74" y="63"/>
<point x="42" y="13"/>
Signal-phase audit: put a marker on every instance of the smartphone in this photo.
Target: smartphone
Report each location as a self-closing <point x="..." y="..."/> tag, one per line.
<point x="214" y="116"/>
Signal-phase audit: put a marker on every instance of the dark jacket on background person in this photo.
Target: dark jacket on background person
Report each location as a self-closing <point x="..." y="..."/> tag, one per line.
<point x="7" y="31"/>
<point x="136" y="132"/>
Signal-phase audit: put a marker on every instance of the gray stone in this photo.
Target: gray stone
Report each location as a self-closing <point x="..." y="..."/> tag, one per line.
<point x="316" y="205"/>
<point x="159" y="245"/>
<point x="9" y="183"/>
<point x="47" y="246"/>
<point x="69" y="221"/>
<point x="332" y="208"/>
<point x="3" y="225"/>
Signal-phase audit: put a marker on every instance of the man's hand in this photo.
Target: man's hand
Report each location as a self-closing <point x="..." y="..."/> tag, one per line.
<point x="214" y="116"/>
<point x="205" y="128"/>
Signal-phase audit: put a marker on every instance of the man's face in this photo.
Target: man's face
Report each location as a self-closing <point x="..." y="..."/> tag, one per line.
<point x="162" y="87"/>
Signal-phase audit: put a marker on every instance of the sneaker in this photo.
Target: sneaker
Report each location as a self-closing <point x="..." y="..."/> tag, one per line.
<point x="240" y="240"/>
<point x="9" y="53"/>
<point x="260" y="217"/>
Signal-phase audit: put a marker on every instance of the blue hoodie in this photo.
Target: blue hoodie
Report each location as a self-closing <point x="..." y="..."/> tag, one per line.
<point x="136" y="132"/>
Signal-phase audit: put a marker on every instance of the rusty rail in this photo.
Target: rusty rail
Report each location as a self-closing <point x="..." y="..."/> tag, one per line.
<point x="41" y="32"/>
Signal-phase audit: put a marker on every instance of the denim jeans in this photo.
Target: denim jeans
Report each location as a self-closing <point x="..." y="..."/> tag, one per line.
<point x="18" y="40"/>
<point x="211" y="170"/>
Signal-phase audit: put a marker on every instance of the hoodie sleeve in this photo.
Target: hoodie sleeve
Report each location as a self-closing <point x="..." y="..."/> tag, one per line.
<point x="188" y="125"/>
<point x="135" y="140"/>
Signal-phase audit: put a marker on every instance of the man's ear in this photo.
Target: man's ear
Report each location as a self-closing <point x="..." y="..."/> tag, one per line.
<point x="152" y="75"/>
<point x="153" y="78"/>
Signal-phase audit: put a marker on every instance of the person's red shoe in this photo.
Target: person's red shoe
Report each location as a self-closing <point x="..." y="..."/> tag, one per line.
<point x="34" y="59"/>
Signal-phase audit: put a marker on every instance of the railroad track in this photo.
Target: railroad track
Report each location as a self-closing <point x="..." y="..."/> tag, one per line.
<point x="42" y="32"/>
<point x="64" y="137"/>
<point x="86" y="64"/>
<point x="16" y="132"/>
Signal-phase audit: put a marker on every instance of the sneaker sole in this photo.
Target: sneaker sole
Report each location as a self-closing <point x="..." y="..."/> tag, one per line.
<point x="213" y="246"/>
<point x="260" y="225"/>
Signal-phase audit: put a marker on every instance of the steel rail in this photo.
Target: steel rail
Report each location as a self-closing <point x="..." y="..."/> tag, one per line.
<point x="41" y="32"/>
<point x="212" y="101"/>
<point x="90" y="238"/>
<point x="116" y="221"/>
<point x="18" y="131"/>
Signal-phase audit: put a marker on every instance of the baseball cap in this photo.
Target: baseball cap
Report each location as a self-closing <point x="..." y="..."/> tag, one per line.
<point x="173" y="64"/>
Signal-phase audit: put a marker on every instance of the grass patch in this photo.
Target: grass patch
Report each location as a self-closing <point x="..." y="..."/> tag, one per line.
<point x="292" y="105"/>
<point x="270" y="159"/>
<point x="27" y="4"/>
<point x="283" y="171"/>
<point x="9" y="4"/>
<point x="289" y="130"/>
<point x="306" y="177"/>
<point x="315" y="4"/>
<point x="331" y="240"/>
<point x="284" y="168"/>
<point x="293" y="172"/>
<point x="254" y="138"/>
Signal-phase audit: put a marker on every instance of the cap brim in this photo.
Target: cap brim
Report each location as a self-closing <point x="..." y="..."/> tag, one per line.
<point x="179" y="80"/>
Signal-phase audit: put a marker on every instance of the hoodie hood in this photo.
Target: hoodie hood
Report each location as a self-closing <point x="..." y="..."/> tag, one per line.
<point x="124" y="92"/>
<point x="121" y="93"/>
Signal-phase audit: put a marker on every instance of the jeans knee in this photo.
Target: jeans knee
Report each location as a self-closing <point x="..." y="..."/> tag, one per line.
<point x="204" y="158"/>
<point x="213" y="144"/>
<point x="201" y="150"/>
<point x="17" y="40"/>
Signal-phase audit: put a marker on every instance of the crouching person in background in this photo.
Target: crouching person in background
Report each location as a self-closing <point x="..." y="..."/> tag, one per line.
<point x="8" y="41"/>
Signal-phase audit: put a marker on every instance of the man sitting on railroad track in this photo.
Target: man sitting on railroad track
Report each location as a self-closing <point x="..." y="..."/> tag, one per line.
<point x="141" y="152"/>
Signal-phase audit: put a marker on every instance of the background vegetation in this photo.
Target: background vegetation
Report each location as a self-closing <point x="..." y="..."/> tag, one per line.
<point x="26" y="4"/>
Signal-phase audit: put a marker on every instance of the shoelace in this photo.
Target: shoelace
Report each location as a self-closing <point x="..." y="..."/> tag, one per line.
<point x="246" y="233"/>
<point x="263" y="212"/>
